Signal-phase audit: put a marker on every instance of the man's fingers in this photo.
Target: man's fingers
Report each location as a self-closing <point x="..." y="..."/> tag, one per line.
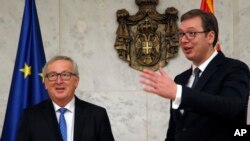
<point x="150" y="90"/>
<point x="148" y="71"/>
<point x="148" y="82"/>
<point x="163" y="73"/>
<point x="150" y="77"/>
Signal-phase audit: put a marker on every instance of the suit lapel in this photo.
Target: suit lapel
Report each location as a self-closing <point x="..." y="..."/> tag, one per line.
<point x="184" y="78"/>
<point x="50" y="116"/>
<point x="80" y="118"/>
<point x="210" y="70"/>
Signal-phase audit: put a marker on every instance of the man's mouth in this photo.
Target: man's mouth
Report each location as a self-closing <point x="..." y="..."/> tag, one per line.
<point x="60" y="89"/>
<point x="187" y="50"/>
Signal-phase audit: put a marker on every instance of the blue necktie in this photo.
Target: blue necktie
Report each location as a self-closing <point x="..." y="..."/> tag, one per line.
<point x="197" y="72"/>
<point x="62" y="123"/>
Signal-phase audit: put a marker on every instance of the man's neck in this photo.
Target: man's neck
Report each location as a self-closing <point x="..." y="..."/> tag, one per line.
<point x="206" y="57"/>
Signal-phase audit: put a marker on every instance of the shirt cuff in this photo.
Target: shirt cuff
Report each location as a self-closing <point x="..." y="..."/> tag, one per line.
<point x="176" y="103"/>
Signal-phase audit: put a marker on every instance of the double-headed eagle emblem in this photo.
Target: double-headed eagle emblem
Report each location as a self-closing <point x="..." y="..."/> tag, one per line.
<point x="147" y="39"/>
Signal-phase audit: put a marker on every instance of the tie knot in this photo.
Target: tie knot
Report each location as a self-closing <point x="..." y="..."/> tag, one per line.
<point x="62" y="110"/>
<point x="197" y="72"/>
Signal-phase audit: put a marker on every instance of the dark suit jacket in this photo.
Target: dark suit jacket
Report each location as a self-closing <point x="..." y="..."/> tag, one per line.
<point x="217" y="104"/>
<point x="39" y="123"/>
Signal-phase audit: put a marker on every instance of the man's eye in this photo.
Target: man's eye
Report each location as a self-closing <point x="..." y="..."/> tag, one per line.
<point x="191" y="33"/>
<point x="52" y="75"/>
<point x="181" y="33"/>
<point x="65" y="74"/>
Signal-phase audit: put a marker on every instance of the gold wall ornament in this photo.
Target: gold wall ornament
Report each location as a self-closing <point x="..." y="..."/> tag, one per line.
<point x="147" y="39"/>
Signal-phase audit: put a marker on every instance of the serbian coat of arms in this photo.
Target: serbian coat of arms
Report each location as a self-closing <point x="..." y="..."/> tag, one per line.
<point x="147" y="39"/>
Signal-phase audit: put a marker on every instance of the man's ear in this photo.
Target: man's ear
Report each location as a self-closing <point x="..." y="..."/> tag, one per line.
<point x="211" y="37"/>
<point x="77" y="81"/>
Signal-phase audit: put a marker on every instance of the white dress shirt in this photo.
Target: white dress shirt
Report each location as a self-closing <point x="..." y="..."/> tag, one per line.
<point x="176" y="103"/>
<point x="69" y="117"/>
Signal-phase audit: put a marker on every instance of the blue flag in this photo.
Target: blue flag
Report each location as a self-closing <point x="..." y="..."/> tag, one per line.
<point x="27" y="87"/>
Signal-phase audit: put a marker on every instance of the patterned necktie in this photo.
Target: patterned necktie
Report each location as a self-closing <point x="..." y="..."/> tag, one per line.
<point x="197" y="72"/>
<point x="62" y="123"/>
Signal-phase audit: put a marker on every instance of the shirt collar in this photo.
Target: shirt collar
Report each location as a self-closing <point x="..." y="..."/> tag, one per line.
<point x="70" y="106"/>
<point x="203" y="66"/>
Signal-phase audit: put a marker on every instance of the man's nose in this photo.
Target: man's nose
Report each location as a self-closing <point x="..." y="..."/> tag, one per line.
<point x="59" y="79"/>
<point x="183" y="39"/>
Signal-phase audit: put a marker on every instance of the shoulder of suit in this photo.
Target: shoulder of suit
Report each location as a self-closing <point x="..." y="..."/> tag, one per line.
<point x="37" y="107"/>
<point x="186" y="72"/>
<point x="235" y="63"/>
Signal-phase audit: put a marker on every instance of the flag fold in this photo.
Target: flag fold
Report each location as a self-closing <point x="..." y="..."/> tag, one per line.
<point x="27" y="86"/>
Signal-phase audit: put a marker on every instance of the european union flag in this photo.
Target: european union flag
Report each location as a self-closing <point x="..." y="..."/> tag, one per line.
<point x="27" y="86"/>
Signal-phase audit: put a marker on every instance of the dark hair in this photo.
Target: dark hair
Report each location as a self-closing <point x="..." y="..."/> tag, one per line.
<point x="209" y="21"/>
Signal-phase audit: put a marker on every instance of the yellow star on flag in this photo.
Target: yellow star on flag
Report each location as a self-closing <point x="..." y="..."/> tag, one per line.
<point x="42" y="75"/>
<point x="26" y="70"/>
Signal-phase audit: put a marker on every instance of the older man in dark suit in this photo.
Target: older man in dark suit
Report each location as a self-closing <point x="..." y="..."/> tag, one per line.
<point x="64" y="117"/>
<point x="209" y="99"/>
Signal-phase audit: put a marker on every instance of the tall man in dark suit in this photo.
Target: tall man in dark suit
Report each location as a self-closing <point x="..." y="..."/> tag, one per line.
<point x="64" y="117"/>
<point x="211" y="97"/>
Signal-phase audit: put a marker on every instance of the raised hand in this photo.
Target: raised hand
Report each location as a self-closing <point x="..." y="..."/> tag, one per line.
<point x="158" y="83"/>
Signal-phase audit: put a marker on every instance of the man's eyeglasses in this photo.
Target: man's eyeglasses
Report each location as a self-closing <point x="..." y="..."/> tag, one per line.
<point x="189" y="35"/>
<point x="64" y="76"/>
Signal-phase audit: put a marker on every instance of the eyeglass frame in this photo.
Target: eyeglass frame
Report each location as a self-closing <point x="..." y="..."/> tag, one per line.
<point x="187" y="34"/>
<point x="68" y="74"/>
